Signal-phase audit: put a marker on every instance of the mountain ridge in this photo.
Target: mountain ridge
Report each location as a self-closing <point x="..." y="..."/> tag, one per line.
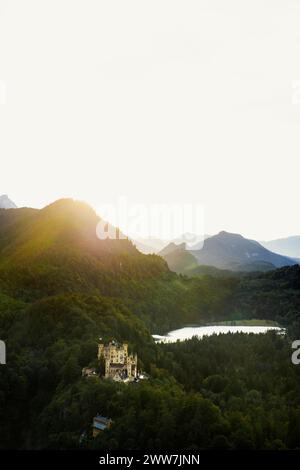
<point x="226" y="251"/>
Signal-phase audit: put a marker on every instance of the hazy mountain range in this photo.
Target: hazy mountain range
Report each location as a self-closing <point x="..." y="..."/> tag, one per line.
<point x="194" y="254"/>
<point x="155" y="245"/>
<point x="289" y="246"/>
<point x="226" y="251"/>
<point x="150" y="245"/>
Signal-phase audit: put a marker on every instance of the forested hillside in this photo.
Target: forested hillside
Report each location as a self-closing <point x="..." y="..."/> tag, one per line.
<point x="61" y="288"/>
<point x="55" y="251"/>
<point x="274" y="296"/>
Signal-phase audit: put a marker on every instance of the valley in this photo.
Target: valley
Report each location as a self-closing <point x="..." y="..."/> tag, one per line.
<point x="61" y="289"/>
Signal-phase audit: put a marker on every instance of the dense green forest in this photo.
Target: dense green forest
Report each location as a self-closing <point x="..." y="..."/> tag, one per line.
<point x="55" y="252"/>
<point x="61" y="288"/>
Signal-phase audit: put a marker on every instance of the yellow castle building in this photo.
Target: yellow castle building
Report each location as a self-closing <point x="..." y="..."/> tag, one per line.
<point x="119" y="365"/>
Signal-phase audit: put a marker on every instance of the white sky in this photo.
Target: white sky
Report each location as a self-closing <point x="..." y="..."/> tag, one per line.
<point x="157" y="101"/>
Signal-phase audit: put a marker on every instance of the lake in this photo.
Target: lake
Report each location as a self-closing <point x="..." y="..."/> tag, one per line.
<point x="189" y="331"/>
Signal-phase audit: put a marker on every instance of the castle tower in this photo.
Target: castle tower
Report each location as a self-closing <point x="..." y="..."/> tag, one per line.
<point x="118" y="364"/>
<point x="100" y="350"/>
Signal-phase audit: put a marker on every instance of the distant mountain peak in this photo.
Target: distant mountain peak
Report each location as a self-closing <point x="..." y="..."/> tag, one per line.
<point x="6" y="203"/>
<point x="223" y="233"/>
<point x="232" y="251"/>
<point x="171" y="247"/>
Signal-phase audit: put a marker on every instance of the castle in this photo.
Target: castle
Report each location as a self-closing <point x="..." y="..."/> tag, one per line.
<point x="118" y="364"/>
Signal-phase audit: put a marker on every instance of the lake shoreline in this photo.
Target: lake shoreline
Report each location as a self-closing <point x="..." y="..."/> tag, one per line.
<point x="246" y="322"/>
<point x="237" y="326"/>
<point x="250" y="322"/>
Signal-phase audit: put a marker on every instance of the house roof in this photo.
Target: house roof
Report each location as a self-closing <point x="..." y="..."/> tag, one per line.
<point x="101" y="422"/>
<point x="100" y="426"/>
